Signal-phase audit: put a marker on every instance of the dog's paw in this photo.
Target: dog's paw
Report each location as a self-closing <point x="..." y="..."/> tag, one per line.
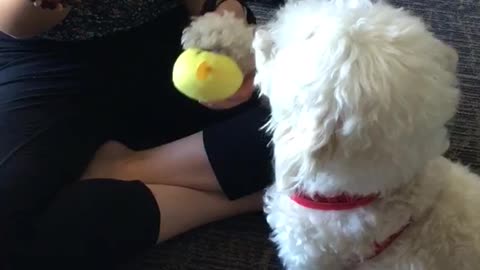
<point x="223" y="34"/>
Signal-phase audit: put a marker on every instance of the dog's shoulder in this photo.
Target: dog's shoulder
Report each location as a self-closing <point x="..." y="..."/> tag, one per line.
<point x="454" y="222"/>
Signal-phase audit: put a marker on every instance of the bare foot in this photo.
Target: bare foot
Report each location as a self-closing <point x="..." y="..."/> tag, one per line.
<point x="110" y="161"/>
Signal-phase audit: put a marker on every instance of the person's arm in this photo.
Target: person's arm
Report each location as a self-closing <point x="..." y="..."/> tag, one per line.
<point x="21" y="19"/>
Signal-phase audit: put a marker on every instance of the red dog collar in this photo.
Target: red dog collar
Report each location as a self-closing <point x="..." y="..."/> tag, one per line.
<point x="346" y="202"/>
<point x="380" y="247"/>
<point x="336" y="203"/>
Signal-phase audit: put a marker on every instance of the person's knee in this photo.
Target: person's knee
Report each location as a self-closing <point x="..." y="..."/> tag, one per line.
<point x="97" y="221"/>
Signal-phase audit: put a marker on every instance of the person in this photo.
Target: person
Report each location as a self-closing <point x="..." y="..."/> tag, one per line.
<point x="100" y="157"/>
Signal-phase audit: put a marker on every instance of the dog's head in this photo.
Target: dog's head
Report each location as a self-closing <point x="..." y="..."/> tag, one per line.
<point x="359" y="90"/>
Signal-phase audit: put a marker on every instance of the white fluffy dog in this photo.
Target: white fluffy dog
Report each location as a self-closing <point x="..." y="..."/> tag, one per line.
<point x="360" y="94"/>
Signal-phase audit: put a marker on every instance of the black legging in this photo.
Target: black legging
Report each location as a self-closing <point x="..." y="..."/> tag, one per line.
<point x="60" y="101"/>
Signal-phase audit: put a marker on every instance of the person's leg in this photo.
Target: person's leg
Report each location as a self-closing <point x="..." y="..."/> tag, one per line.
<point x="101" y="223"/>
<point x="183" y="142"/>
<point x="233" y="173"/>
<point x="232" y="156"/>
<point x="183" y="209"/>
<point x="182" y="163"/>
<point x="51" y="123"/>
<point x="41" y="160"/>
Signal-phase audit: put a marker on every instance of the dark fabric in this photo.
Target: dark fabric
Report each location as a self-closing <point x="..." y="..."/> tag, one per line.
<point x="60" y="101"/>
<point x="93" y="19"/>
<point x="240" y="162"/>
<point x="96" y="224"/>
<point x="242" y="243"/>
<point x="210" y="5"/>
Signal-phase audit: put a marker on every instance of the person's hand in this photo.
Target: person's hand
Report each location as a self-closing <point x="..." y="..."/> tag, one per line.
<point x="246" y="90"/>
<point x="54" y="4"/>
<point x="232" y="6"/>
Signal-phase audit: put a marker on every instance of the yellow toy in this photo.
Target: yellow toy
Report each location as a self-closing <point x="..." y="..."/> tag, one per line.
<point x="217" y="54"/>
<point x="206" y="76"/>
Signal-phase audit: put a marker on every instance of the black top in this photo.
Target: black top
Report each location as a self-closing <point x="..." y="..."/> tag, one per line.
<point x="93" y="18"/>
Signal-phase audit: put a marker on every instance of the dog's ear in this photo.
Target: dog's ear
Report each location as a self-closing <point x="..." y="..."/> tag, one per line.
<point x="263" y="46"/>
<point x="448" y="57"/>
<point x="264" y="50"/>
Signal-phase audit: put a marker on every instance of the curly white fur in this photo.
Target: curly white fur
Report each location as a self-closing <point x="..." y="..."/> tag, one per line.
<point x="222" y="33"/>
<point x="360" y="93"/>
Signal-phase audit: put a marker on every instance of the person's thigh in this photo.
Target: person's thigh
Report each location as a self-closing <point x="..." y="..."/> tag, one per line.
<point x="51" y="122"/>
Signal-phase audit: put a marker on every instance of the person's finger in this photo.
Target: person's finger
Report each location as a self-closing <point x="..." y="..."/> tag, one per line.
<point x="239" y="98"/>
<point x="59" y="7"/>
<point x="220" y="106"/>
<point x="236" y="100"/>
<point x="37" y="3"/>
<point x="226" y="104"/>
<point x="232" y="6"/>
